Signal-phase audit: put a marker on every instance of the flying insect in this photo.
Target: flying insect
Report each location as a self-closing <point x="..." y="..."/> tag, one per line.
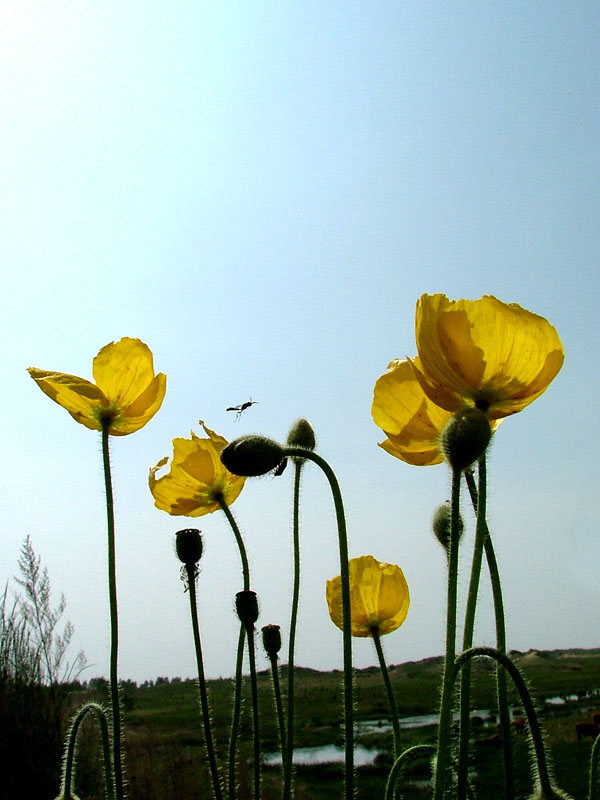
<point x="239" y="410"/>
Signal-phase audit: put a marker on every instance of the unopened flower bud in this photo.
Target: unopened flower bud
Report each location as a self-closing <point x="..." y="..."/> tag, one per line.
<point x="188" y="545"/>
<point x="466" y="437"/>
<point x="271" y="636"/>
<point x="246" y="605"/>
<point x="252" y="455"/>
<point x="301" y="435"/>
<point x="442" y="524"/>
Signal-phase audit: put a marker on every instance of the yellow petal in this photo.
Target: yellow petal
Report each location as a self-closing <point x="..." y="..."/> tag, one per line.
<point x="484" y="352"/>
<point x="78" y="396"/>
<point x="195" y="479"/>
<point x="410" y="420"/>
<point x="379" y="597"/>
<point x="124" y="370"/>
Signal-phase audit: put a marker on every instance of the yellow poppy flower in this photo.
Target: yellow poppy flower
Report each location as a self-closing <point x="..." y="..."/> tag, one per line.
<point x="126" y="390"/>
<point x="485" y="353"/>
<point x="196" y="479"/>
<point x="379" y="597"/>
<point x="411" y="422"/>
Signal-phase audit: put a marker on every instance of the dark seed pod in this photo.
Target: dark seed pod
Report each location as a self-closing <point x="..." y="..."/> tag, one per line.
<point x="466" y="437"/>
<point x="188" y="545"/>
<point x="246" y="605"/>
<point x="252" y="455"/>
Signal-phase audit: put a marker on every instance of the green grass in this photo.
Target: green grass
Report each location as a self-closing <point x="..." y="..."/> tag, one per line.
<point x="164" y="730"/>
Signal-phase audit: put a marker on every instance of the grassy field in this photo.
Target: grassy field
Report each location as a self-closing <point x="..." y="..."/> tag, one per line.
<point x="164" y="732"/>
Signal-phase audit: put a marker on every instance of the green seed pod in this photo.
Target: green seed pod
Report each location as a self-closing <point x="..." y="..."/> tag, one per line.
<point x="301" y="435"/>
<point x="246" y="605"/>
<point x="271" y="636"/>
<point x="466" y="437"/>
<point x="442" y="523"/>
<point x="188" y="546"/>
<point x="252" y="455"/>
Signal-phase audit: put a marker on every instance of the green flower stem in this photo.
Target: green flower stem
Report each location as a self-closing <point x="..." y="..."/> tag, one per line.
<point x="389" y="690"/>
<point x="288" y="757"/>
<point x="465" y="675"/>
<point x="252" y="657"/>
<point x="114" y="615"/>
<point x="541" y="759"/>
<point x="204" y="702"/>
<point x="443" y="747"/>
<point x="255" y="717"/>
<point x="501" y="687"/>
<point x="278" y="707"/>
<point x="238" y="538"/>
<point x="288" y="754"/>
<point x="237" y="710"/>
<point x="418" y="749"/>
<point x="68" y="777"/>
<point x="593" y="793"/>
<point x="346" y="620"/>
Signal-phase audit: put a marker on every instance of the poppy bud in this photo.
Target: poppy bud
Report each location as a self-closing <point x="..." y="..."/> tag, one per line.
<point x="188" y="545"/>
<point x="442" y="523"/>
<point x="271" y="636"/>
<point x="301" y="435"/>
<point x="246" y="605"/>
<point x="252" y="455"/>
<point x="466" y="437"/>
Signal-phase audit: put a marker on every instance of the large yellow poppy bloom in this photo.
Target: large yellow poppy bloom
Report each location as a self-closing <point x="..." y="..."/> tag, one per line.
<point x="126" y="391"/>
<point x="411" y="422"/>
<point x="485" y="353"/>
<point x="379" y="597"/>
<point x="197" y="478"/>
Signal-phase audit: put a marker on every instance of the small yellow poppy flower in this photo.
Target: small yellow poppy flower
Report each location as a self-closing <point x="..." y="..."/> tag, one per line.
<point x="412" y="423"/>
<point x="485" y="353"/>
<point x="197" y="477"/>
<point x="127" y="392"/>
<point x="379" y="597"/>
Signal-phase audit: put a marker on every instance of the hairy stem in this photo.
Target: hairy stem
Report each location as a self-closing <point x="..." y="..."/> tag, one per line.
<point x="204" y="701"/>
<point x="346" y="621"/>
<point x="114" y="615"/>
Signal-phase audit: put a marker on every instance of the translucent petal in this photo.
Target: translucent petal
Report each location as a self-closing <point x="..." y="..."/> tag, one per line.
<point x="124" y="370"/>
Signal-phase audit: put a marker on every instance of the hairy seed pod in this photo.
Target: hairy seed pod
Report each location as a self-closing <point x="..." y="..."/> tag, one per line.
<point x="188" y="546"/>
<point x="252" y="455"/>
<point x="466" y="437"/>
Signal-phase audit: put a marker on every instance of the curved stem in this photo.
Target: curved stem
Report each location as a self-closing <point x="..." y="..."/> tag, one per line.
<point x="238" y="538"/>
<point x="501" y="687"/>
<point x="288" y="754"/>
<point x="443" y="747"/>
<point x="535" y="732"/>
<point x="68" y="777"/>
<point x="204" y="701"/>
<point x="389" y="690"/>
<point x="309" y="455"/>
<point x="428" y="749"/>
<point x="465" y="676"/>
<point x="114" y="615"/>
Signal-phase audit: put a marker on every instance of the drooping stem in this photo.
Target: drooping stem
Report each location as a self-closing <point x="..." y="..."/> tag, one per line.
<point x="465" y="676"/>
<point x="68" y="777"/>
<point x="238" y="538"/>
<point x="204" y="701"/>
<point x="541" y="759"/>
<point x="288" y="757"/>
<point x="388" y="689"/>
<point x="418" y="749"/>
<point x="443" y="747"/>
<point x="501" y="687"/>
<point x="114" y="615"/>
<point x="346" y="620"/>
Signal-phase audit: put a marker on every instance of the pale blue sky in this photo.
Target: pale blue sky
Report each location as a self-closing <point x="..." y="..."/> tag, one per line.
<point x="261" y="192"/>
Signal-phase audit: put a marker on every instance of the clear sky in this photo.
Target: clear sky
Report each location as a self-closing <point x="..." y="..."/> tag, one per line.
<point x="261" y="191"/>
